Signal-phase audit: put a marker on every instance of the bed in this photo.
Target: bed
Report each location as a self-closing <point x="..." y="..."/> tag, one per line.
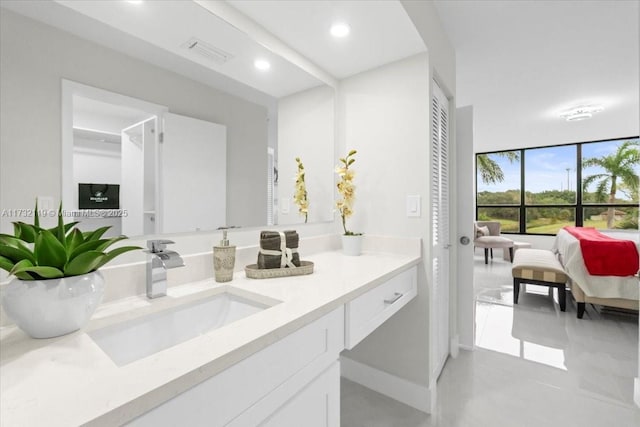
<point x="612" y="291"/>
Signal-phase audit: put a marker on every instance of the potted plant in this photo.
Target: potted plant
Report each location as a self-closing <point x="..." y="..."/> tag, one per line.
<point x="351" y="242"/>
<point x="300" y="194"/>
<point x="57" y="285"/>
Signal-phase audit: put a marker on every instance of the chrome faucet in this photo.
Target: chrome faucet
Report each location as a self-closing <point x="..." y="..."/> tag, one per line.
<point x="158" y="261"/>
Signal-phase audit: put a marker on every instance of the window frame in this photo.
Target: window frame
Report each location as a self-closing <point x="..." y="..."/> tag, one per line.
<point x="578" y="206"/>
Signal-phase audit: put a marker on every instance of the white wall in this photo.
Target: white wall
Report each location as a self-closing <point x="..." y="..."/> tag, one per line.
<point x="385" y="116"/>
<point x="306" y="130"/>
<point x="442" y="57"/>
<point x="95" y="162"/>
<point x="33" y="60"/>
<point x="442" y="67"/>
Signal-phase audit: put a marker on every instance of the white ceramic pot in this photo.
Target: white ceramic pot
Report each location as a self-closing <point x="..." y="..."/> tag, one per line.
<point x="351" y="245"/>
<point x="54" y="307"/>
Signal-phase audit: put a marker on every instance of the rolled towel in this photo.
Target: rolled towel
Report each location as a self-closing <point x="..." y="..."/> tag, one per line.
<point x="271" y="253"/>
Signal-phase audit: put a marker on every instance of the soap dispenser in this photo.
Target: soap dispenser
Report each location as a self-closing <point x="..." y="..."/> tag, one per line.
<point x="224" y="259"/>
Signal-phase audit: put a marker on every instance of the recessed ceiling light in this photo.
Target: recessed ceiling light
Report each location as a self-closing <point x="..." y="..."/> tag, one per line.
<point x="135" y="1"/>
<point x="262" y="64"/>
<point x="340" y="30"/>
<point x="580" y="112"/>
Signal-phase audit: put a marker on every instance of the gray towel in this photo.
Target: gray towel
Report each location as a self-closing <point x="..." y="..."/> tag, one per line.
<point x="270" y="240"/>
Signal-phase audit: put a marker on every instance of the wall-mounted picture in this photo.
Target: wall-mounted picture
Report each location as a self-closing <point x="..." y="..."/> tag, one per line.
<point x="98" y="196"/>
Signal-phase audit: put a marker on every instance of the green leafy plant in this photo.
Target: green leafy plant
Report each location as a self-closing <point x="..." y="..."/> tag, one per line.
<point x="35" y="253"/>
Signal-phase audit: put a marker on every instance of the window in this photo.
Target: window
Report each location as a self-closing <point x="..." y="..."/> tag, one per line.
<point x="498" y="178"/>
<point x="550" y="176"/>
<point x="540" y="190"/>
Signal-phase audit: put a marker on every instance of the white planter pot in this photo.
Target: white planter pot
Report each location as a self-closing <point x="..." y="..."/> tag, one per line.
<point x="351" y="245"/>
<point x="54" y="307"/>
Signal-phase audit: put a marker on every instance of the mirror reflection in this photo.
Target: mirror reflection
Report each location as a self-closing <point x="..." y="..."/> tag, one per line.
<point x="172" y="162"/>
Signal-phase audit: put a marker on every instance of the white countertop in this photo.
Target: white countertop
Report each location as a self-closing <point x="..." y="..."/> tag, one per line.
<point x="69" y="380"/>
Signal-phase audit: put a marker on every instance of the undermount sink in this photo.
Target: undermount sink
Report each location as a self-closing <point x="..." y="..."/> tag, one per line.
<point x="137" y="338"/>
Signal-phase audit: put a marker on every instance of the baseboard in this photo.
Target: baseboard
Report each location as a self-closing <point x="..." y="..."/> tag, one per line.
<point x="456" y="346"/>
<point x="415" y="395"/>
<point x="636" y="391"/>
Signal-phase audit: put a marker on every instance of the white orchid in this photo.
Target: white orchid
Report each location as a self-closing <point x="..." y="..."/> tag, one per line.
<point x="300" y="194"/>
<point x="346" y="189"/>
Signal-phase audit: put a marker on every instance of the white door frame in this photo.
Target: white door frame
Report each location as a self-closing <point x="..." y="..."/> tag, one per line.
<point x="464" y="306"/>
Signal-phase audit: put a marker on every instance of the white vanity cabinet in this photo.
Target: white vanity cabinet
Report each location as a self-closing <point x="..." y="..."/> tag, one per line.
<point x="294" y="381"/>
<point x="313" y="404"/>
<point x="277" y="367"/>
<point x="287" y="380"/>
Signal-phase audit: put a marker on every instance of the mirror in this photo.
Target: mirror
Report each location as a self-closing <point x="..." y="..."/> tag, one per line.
<point x="265" y="121"/>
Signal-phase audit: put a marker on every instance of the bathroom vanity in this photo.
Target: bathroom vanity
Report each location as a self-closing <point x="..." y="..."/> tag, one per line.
<point x="250" y="352"/>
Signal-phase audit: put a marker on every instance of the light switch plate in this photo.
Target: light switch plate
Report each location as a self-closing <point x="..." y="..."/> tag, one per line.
<point x="413" y="206"/>
<point x="285" y="206"/>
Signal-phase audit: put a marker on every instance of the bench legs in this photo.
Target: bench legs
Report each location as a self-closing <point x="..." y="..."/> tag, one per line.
<point x="581" y="307"/>
<point x="562" y="292"/>
<point x="562" y="297"/>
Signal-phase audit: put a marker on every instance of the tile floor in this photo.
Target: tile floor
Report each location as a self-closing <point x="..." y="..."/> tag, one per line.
<point x="533" y="366"/>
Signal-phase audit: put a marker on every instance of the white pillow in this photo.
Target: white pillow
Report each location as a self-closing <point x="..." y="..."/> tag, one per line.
<point x="483" y="231"/>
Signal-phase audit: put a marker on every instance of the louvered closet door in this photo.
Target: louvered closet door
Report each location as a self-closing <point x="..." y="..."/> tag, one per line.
<point x="440" y="222"/>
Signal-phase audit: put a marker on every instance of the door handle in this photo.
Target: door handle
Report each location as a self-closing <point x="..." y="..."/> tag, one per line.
<point x="465" y="240"/>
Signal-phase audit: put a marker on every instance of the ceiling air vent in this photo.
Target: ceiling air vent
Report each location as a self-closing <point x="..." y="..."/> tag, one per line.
<point x="208" y="51"/>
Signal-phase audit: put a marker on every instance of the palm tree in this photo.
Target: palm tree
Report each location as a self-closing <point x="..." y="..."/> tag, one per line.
<point x="490" y="171"/>
<point x="619" y="168"/>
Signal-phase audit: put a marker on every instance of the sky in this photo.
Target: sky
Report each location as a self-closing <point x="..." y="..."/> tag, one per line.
<point x="546" y="168"/>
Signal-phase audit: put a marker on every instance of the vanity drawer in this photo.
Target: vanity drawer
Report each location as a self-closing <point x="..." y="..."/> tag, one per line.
<point x="365" y="313"/>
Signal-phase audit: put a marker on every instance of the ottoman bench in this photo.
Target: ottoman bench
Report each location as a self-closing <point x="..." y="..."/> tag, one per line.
<point x="506" y="255"/>
<point x="539" y="267"/>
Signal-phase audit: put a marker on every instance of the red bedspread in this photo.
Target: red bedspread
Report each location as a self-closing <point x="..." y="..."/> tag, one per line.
<point x="604" y="255"/>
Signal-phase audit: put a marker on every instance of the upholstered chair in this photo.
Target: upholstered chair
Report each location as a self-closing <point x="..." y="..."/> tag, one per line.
<point x="492" y="239"/>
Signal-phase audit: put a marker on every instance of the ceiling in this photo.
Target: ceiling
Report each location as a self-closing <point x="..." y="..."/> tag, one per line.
<point x="519" y="63"/>
<point x="381" y="31"/>
<point x="157" y="31"/>
<point x="163" y="29"/>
